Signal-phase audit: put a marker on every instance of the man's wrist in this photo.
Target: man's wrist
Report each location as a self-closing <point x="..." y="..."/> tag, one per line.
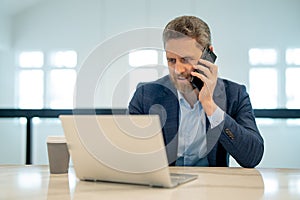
<point x="209" y="107"/>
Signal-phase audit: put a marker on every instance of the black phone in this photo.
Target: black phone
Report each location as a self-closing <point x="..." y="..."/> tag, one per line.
<point x="207" y="54"/>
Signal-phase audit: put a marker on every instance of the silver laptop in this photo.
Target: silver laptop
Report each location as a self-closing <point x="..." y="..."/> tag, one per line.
<point x="120" y="148"/>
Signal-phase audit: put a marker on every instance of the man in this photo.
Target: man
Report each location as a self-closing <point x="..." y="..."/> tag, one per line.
<point x="201" y="127"/>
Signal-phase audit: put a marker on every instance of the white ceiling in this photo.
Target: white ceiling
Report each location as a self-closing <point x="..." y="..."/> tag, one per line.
<point x="12" y="7"/>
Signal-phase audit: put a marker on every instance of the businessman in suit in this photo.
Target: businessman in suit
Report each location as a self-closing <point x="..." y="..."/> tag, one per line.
<point x="202" y="126"/>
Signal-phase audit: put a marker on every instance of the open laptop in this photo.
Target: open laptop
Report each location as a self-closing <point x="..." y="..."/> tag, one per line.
<point x="120" y="148"/>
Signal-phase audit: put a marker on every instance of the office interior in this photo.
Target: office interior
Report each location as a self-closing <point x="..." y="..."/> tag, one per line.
<point x="44" y="45"/>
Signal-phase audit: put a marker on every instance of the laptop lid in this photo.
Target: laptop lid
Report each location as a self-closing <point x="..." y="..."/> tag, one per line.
<point x="117" y="148"/>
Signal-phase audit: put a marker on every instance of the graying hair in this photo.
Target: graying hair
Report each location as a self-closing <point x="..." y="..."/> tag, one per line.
<point x="190" y="26"/>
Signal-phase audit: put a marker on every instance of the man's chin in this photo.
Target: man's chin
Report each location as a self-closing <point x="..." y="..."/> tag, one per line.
<point x="183" y="86"/>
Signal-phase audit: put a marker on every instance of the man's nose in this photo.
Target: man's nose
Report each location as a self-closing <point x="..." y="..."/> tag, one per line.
<point x="180" y="68"/>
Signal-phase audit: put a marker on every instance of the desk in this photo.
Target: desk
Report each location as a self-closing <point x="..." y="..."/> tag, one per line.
<point x="35" y="182"/>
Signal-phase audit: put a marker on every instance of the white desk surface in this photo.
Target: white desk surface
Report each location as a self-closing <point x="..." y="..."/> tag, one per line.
<point x="35" y="182"/>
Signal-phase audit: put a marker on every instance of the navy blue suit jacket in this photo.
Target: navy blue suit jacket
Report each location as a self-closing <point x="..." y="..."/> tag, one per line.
<point x="237" y="135"/>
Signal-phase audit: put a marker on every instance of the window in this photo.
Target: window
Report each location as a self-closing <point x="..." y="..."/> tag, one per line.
<point x="48" y="84"/>
<point x="62" y="79"/>
<point x="269" y="77"/>
<point x="152" y="61"/>
<point x="31" y="80"/>
<point x="66" y="59"/>
<point x="292" y="56"/>
<point x="61" y="88"/>
<point x="263" y="87"/>
<point x="147" y="65"/>
<point x="263" y="78"/>
<point x="31" y="59"/>
<point x="143" y="58"/>
<point x="31" y="89"/>
<point x="292" y="87"/>
<point x="292" y="74"/>
<point x="262" y="56"/>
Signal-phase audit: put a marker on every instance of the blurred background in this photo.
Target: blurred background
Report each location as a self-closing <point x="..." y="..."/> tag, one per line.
<point x="43" y="44"/>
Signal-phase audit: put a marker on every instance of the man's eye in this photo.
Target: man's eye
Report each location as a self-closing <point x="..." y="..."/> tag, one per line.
<point x="171" y="60"/>
<point x="185" y="60"/>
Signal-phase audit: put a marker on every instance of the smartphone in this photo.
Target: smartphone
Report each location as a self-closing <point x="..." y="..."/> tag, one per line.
<point x="206" y="55"/>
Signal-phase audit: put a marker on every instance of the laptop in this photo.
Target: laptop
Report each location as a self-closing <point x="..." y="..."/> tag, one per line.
<point x="120" y="148"/>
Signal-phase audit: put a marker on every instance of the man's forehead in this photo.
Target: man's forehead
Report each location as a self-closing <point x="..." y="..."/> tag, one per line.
<point x="182" y="47"/>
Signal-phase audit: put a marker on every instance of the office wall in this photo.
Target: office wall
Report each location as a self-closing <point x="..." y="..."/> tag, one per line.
<point x="13" y="141"/>
<point x="236" y="27"/>
<point x="81" y="25"/>
<point x="6" y="63"/>
<point x="7" y="79"/>
<point x="5" y="33"/>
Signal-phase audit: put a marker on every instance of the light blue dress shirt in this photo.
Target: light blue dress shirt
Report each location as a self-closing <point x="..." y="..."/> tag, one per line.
<point x="192" y="133"/>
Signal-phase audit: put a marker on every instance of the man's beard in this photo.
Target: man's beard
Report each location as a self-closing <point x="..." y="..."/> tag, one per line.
<point x="182" y="87"/>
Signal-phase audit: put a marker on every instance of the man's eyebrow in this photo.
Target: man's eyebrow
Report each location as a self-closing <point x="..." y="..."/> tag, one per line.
<point x="187" y="58"/>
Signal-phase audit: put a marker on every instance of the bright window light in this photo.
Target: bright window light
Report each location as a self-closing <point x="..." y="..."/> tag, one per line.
<point x="62" y="82"/>
<point x="31" y="89"/>
<point x="292" y="77"/>
<point x="165" y="72"/>
<point x="29" y="181"/>
<point x="23" y="120"/>
<point x="143" y="58"/>
<point x="293" y="122"/>
<point x="271" y="185"/>
<point x="31" y="59"/>
<point x="292" y="56"/>
<point x="265" y="121"/>
<point x="165" y="61"/>
<point x="262" y="56"/>
<point x="139" y="75"/>
<point x="36" y="120"/>
<point x="263" y="87"/>
<point x="64" y="59"/>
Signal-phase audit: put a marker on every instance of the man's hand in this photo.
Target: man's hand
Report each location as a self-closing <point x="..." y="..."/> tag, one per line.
<point x="210" y="80"/>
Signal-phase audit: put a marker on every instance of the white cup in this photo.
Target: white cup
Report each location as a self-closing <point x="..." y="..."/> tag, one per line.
<point x="58" y="154"/>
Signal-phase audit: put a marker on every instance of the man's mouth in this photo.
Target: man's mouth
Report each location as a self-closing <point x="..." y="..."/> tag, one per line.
<point x="182" y="78"/>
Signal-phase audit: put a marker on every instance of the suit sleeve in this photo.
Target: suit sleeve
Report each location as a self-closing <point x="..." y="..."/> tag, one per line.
<point x="240" y="136"/>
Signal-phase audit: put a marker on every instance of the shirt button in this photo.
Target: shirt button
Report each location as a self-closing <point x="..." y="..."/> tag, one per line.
<point x="229" y="133"/>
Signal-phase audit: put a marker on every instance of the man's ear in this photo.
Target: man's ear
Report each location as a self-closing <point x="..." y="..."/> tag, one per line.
<point x="211" y="48"/>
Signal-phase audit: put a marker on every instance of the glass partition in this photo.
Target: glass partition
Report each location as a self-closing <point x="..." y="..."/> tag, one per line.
<point x="12" y="141"/>
<point x="281" y="137"/>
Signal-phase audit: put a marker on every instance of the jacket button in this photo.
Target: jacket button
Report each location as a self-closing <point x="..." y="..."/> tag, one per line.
<point x="229" y="133"/>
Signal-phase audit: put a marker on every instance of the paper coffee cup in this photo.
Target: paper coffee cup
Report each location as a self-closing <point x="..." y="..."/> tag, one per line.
<point x="58" y="154"/>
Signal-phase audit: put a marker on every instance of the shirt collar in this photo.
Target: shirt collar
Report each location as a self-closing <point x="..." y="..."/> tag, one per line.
<point x="183" y="101"/>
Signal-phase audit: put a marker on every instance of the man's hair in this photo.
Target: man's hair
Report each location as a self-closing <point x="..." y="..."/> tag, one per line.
<point x="190" y="26"/>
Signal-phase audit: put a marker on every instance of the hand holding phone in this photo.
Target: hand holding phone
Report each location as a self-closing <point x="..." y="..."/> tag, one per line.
<point x="208" y="55"/>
